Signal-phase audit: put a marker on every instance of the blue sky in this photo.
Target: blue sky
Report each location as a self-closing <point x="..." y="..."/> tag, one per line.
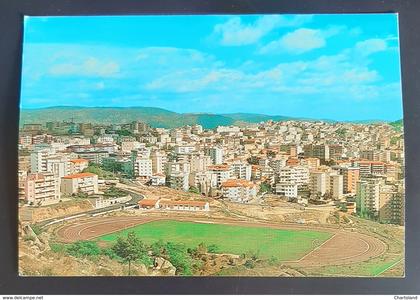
<point x="342" y="67"/>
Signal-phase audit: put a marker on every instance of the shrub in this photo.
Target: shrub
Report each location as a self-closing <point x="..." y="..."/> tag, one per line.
<point x="83" y="249"/>
<point x="58" y="248"/>
<point x="157" y="248"/>
<point x="109" y="252"/>
<point x="250" y="264"/>
<point x="36" y="229"/>
<point x="213" y="248"/>
<point x="273" y="261"/>
<point x="178" y="256"/>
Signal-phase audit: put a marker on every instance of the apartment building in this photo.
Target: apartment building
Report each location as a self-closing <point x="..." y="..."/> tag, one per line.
<point x="239" y="190"/>
<point x="293" y="174"/>
<point x="336" y="186"/>
<point x="287" y="189"/>
<point x="184" y="149"/>
<point x="77" y="165"/>
<point x="95" y="156"/>
<point x="159" y="159"/>
<point x="79" y="183"/>
<point x="216" y="155"/>
<point x="368" y="168"/>
<point x="178" y="180"/>
<point x="350" y="177"/>
<point x="335" y="151"/>
<point x="221" y="172"/>
<point x="39" y="159"/>
<point x="391" y="204"/>
<point x="158" y="179"/>
<point x="142" y="167"/>
<point x="41" y="189"/>
<point x="368" y="196"/>
<point x="128" y="146"/>
<point x="241" y="170"/>
<point x="318" y="183"/>
<point x="320" y="151"/>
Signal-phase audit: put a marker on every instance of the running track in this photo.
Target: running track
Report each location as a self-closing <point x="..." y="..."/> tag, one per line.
<point x="343" y="247"/>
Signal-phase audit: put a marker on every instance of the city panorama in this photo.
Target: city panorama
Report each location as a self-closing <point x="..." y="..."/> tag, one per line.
<point x="232" y="148"/>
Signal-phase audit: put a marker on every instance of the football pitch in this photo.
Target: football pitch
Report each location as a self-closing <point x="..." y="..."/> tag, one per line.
<point x="283" y="244"/>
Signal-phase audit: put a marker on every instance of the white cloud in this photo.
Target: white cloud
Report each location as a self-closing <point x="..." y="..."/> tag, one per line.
<point x="235" y="33"/>
<point x="338" y="76"/>
<point x="89" y="67"/>
<point x="370" y="46"/>
<point x="300" y="41"/>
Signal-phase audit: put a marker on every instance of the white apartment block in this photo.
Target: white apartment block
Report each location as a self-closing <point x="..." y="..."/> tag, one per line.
<point x="178" y="181"/>
<point x="176" y="167"/>
<point x="221" y="172"/>
<point x="41" y="189"/>
<point x="39" y="159"/>
<point x="77" y="165"/>
<point x="318" y="183"/>
<point x="200" y="163"/>
<point x="216" y="155"/>
<point x="287" y="189"/>
<point x="239" y="190"/>
<point x="158" y="179"/>
<point x="79" y="183"/>
<point x="293" y="174"/>
<point x="58" y="165"/>
<point x="184" y="149"/>
<point x="336" y="188"/>
<point x="159" y="160"/>
<point x="143" y="167"/>
<point x="204" y="181"/>
<point x="242" y="170"/>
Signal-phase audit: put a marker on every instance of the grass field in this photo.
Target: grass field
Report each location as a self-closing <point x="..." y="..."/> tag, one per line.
<point x="371" y="268"/>
<point x="267" y="242"/>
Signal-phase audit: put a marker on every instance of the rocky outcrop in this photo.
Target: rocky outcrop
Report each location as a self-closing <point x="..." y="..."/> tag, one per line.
<point x="162" y="267"/>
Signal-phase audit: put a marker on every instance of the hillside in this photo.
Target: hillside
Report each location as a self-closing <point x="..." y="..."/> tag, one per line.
<point x="398" y="125"/>
<point x="156" y="117"/>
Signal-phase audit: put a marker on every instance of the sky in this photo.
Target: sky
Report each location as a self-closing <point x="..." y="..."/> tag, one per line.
<point x="341" y="67"/>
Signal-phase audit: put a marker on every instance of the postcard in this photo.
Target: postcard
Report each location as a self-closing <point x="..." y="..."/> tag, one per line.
<point x="211" y="145"/>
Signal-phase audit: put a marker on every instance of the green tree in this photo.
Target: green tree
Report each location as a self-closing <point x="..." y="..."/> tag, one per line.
<point x="129" y="249"/>
<point x="265" y="187"/>
<point x="178" y="256"/>
<point x="83" y="249"/>
<point x="102" y="174"/>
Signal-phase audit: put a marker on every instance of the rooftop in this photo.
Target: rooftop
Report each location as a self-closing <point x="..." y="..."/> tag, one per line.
<point x="79" y="175"/>
<point x="237" y="183"/>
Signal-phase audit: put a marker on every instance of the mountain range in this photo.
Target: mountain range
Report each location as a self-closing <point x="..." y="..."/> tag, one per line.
<point x="156" y="117"/>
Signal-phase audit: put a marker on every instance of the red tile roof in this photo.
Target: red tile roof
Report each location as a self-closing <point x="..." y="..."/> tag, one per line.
<point x="79" y="160"/>
<point x="147" y="202"/>
<point x="79" y="175"/>
<point x="237" y="183"/>
<point x="183" y="202"/>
